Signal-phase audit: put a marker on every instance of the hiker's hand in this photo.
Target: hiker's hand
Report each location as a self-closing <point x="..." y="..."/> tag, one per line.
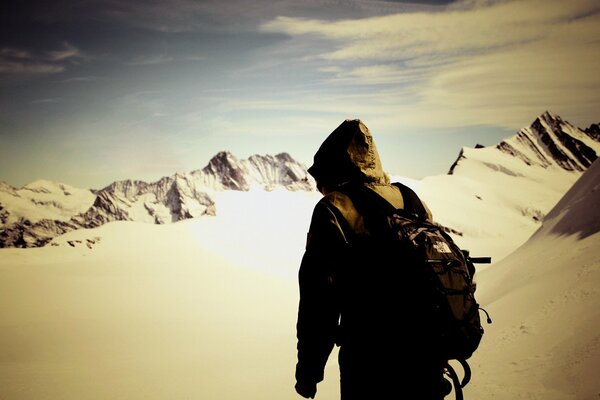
<point x="306" y="390"/>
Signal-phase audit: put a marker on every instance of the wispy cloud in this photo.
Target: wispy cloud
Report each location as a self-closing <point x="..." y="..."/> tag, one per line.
<point x="66" y="52"/>
<point x="15" y="61"/>
<point x="474" y="63"/>
<point x="15" y="67"/>
<point x="13" y="53"/>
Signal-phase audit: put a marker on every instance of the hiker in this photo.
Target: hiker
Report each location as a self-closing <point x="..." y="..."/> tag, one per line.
<point x="347" y="295"/>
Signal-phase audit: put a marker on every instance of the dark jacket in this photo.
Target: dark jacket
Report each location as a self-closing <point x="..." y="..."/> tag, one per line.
<point x="344" y="287"/>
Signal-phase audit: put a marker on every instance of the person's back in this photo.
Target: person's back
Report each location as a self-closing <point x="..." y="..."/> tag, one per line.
<point x="349" y="292"/>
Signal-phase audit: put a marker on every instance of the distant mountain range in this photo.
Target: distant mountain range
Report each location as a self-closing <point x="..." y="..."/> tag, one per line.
<point x="32" y="215"/>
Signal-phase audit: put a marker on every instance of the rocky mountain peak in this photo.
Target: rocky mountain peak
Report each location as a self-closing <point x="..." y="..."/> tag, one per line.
<point x="593" y="131"/>
<point x="561" y="143"/>
<point x="549" y="142"/>
<point x="226" y="170"/>
<point x="284" y="157"/>
<point x="223" y="157"/>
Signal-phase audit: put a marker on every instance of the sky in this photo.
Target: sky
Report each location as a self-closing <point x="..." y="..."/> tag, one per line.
<point x="97" y="91"/>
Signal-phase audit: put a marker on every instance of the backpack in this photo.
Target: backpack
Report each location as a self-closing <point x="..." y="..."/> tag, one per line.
<point x="444" y="270"/>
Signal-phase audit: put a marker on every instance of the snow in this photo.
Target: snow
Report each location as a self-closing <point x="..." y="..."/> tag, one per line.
<point x="43" y="199"/>
<point x="206" y="308"/>
<point x="545" y="302"/>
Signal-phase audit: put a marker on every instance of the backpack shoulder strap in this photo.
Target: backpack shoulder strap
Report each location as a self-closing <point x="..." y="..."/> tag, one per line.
<point x="412" y="202"/>
<point x="373" y="205"/>
<point x="366" y="200"/>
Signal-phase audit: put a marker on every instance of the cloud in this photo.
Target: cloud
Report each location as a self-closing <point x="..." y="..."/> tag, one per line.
<point x="454" y="32"/>
<point x="473" y="63"/>
<point x="11" y="67"/>
<point x="15" y="61"/>
<point x="13" y="53"/>
<point x="66" y="52"/>
<point x="178" y="16"/>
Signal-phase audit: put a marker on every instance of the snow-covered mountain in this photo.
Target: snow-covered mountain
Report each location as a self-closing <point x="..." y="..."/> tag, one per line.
<point x="495" y="197"/>
<point x="33" y="215"/>
<point x="30" y="216"/>
<point x="548" y="141"/>
<point x="224" y="171"/>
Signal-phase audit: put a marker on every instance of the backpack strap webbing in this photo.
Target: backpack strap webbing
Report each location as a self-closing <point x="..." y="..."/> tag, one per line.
<point x="451" y="373"/>
<point x="456" y="382"/>
<point x="412" y="202"/>
<point x="369" y="200"/>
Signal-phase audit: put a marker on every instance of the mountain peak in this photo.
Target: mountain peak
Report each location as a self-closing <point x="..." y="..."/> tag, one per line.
<point x="224" y="155"/>
<point x="549" y="116"/>
<point x="549" y="142"/>
<point x="593" y="131"/>
<point x="285" y="157"/>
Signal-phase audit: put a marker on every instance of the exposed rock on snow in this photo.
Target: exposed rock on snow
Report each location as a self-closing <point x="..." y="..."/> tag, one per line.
<point x="593" y="131"/>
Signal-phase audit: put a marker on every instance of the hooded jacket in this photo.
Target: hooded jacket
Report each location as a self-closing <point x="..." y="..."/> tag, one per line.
<point x="348" y="157"/>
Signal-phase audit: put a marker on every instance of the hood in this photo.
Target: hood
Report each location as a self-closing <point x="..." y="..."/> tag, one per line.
<point x="348" y="154"/>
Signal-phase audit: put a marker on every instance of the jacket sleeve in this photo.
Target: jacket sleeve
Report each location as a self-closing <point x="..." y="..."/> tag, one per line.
<point x="318" y="311"/>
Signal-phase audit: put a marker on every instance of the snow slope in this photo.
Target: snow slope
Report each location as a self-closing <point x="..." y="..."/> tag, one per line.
<point x="544" y="298"/>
